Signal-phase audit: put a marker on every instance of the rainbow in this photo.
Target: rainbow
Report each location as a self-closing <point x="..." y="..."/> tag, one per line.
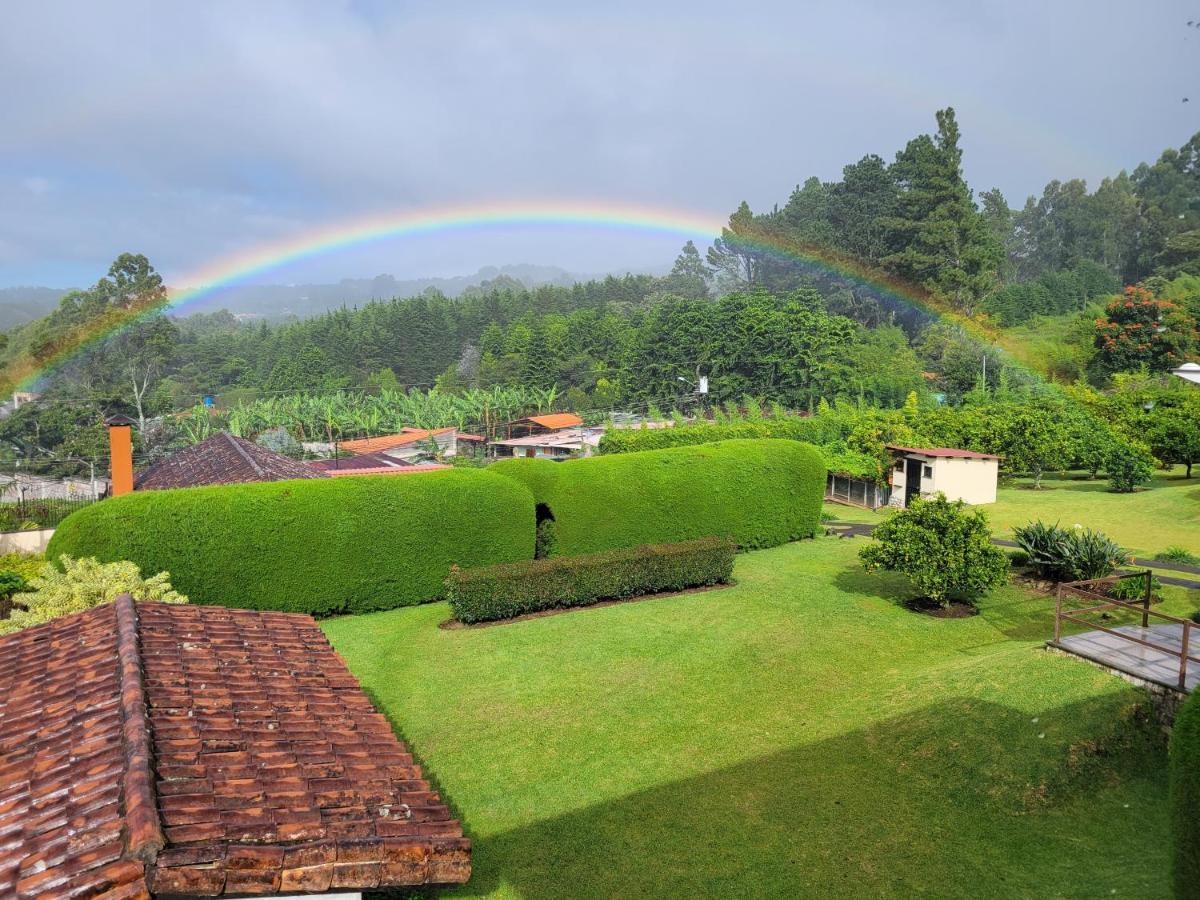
<point x="238" y="267"/>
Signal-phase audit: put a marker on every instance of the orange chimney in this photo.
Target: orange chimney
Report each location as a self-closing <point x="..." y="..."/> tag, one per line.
<point x="120" y="446"/>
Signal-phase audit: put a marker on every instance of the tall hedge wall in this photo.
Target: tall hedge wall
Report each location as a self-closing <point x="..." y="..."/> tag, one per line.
<point x="321" y="546"/>
<point x="631" y="440"/>
<point x="758" y="492"/>
<point x="1184" y="765"/>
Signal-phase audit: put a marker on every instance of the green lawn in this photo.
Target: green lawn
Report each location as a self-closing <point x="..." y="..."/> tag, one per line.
<point x="799" y="733"/>
<point x="1166" y="513"/>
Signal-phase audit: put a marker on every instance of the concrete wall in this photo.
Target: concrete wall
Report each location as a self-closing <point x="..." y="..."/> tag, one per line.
<point x="971" y="480"/>
<point x="25" y="541"/>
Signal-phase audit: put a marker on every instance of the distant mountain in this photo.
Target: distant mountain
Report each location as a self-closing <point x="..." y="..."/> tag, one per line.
<point x="19" y="305"/>
<point x="303" y="300"/>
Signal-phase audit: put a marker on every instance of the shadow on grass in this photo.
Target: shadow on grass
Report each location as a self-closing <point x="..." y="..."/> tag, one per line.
<point x="889" y="586"/>
<point x="957" y="799"/>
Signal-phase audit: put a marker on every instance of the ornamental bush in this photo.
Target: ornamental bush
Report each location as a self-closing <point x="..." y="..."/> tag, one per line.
<point x="513" y="589"/>
<point x="944" y="548"/>
<point x="78" y="584"/>
<point x="1184" y="769"/>
<point x="1068" y="554"/>
<point x="320" y="546"/>
<point x="1128" y="467"/>
<point x="760" y="493"/>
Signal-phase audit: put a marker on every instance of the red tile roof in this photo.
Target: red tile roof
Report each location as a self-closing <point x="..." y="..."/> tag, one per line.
<point x="391" y="441"/>
<point x="553" y="420"/>
<point x="947" y="452"/>
<point x="201" y="751"/>
<point x="387" y="470"/>
<point x="221" y="459"/>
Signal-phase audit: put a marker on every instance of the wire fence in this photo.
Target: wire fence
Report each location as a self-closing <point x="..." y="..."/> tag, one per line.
<point x="39" y="495"/>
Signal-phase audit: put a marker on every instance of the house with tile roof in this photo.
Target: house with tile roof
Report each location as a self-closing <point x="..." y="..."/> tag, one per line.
<point x="152" y="749"/>
<point x="407" y="444"/>
<point x="542" y="424"/>
<point x="221" y="459"/>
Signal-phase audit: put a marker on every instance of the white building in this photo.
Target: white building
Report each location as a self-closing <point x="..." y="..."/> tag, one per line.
<point x="959" y="474"/>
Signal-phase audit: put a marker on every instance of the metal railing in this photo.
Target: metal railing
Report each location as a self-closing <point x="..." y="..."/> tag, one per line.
<point x="856" y="491"/>
<point x="1103" y="603"/>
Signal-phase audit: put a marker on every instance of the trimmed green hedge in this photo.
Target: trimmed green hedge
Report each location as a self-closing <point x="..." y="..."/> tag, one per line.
<point x="513" y="589"/>
<point x="760" y="493"/>
<point x="318" y="546"/>
<point x="1184" y="768"/>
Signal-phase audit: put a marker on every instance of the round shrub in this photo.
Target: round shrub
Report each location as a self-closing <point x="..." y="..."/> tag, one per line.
<point x="319" y="546"/>
<point x="1184" y="767"/>
<point x="759" y="493"/>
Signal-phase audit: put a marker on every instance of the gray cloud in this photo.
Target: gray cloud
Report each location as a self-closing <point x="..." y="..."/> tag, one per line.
<point x="191" y="131"/>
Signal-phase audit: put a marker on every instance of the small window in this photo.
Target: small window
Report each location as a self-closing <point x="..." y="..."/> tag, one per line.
<point x="899" y="465"/>
<point x="928" y="472"/>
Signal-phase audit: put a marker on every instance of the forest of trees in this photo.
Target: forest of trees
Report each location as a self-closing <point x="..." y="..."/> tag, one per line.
<point x="764" y="312"/>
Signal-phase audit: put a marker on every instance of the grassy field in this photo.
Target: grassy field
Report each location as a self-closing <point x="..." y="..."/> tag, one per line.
<point x="1166" y="513"/>
<point x="799" y="733"/>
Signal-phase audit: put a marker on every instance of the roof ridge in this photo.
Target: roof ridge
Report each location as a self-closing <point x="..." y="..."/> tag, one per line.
<point x="144" y="836"/>
<point x="242" y="450"/>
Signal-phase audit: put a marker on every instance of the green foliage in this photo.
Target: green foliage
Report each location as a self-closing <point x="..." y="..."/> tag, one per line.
<point x="1134" y="588"/>
<point x="944" y="548"/>
<point x="513" y="589"/>
<point x="758" y="492"/>
<point x="1184" y="767"/>
<point x="78" y="584"/>
<point x="11" y="583"/>
<point x="1128" y="466"/>
<point x="1177" y="555"/>
<point x="319" y="546"/>
<point x="1069" y="554"/>
<point x="1138" y="329"/>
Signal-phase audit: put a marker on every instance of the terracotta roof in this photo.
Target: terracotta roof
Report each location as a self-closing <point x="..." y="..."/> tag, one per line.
<point x="221" y="459"/>
<point x="199" y="751"/>
<point x="553" y="420"/>
<point x="390" y="441"/>
<point x="356" y="461"/>
<point x="947" y="452"/>
<point x="387" y="470"/>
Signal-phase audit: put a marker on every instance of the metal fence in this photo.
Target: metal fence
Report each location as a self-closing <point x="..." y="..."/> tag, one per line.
<point x="856" y="491"/>
<point x="36" y="497"/>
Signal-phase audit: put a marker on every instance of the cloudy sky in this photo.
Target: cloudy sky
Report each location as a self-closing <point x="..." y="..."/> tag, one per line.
<point x="190" y="132"/>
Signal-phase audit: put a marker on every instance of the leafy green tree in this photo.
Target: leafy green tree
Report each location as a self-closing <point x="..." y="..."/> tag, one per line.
<point x="736" y="256"/>
<point x="939" y="238"/>
<point x="1128" y="467"/>
<point x="1140" y="330"/>
<point x="1034" y="442"/>
<point x="944" y="548"/>
<point x="689" y="276"/>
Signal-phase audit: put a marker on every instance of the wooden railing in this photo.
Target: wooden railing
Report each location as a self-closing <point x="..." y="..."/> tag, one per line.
<point x="1102" y="603"/>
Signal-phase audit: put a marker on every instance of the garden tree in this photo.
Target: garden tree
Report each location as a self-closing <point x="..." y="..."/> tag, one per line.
<point x="944" y="548"/>
<point x="1032" y="442"/>
<point x="859" y="206"/>
<point x="1140" y="330"/>
<point x="689" y="276"/>
<point x="1173" y="435"/>
<point x="1128" y="466"/>
<point x="938" y="237"/>
<point x="958" y="359"/>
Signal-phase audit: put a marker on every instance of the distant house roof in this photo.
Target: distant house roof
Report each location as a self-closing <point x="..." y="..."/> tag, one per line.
<point x="221" y="459"/>
<point x="946" y="452"/>
<point x="356" y="461"/>
<point x="202" y="751"/>
<point x="388" y="470"/>
<point x="391" y="441"/>
<point x="552" y="420"/>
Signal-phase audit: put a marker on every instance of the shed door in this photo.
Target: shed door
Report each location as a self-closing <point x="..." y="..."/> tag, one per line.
<point x="912" y="480"/>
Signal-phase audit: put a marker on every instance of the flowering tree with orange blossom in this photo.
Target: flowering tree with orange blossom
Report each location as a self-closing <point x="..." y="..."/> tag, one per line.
<point x="1139" y="329"/>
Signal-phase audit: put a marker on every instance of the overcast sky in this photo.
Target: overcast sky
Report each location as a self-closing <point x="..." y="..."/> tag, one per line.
<point x="190" y="131"/>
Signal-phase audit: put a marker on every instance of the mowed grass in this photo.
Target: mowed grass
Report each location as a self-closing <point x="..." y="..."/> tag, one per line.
<point x="1166" y="513"/>
<point x="797" y="734"/>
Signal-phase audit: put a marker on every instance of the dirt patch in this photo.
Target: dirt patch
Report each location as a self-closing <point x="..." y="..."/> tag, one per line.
<point x="455" y="625"/>
<point x="956" y="610"/>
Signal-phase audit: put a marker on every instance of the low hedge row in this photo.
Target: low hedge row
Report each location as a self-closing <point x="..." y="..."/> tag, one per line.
<point x="513" y="589"/>
<point x="760" y="493"/>
<point x="1184" y="768"/>
<point x="636" y="440"/>
<point x="320" y="546"/>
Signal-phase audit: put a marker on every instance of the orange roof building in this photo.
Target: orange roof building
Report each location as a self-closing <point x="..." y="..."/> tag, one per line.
<point x="406" y="437"/>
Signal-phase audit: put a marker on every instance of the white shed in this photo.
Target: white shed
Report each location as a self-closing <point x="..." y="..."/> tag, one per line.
<point x="959" y="474"/>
